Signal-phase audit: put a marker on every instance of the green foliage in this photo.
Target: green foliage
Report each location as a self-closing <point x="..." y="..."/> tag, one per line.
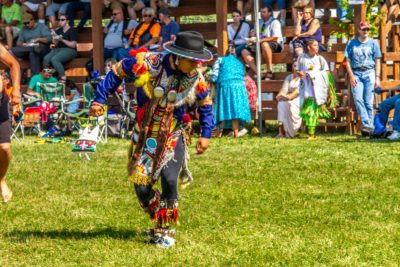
<point x="372" y="17"/>
<point x="254" y="202"/>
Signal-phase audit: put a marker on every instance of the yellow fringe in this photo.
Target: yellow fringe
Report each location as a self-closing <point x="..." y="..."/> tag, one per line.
<point x="139" y="179"/>
<point x="118" y="70"/>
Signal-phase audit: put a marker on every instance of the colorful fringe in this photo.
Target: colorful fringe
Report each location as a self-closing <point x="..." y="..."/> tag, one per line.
<point x="153" y="206"/>
<point x="163" y="217"/>
<point x="312" y="113"/>
<point x="333" y="101"/>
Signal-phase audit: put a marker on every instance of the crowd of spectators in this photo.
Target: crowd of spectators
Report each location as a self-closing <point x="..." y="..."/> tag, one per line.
<point x="43" y="32"/>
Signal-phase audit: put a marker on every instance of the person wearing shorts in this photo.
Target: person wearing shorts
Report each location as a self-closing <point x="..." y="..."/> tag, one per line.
<point x="5" y="125"/>
<point x="11" y="21"/>
<point x="271" y="41"/>
<point x="35" y="7"/>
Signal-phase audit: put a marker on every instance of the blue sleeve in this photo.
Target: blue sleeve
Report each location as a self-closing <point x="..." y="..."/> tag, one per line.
<point x="106" y="87"/>
<point x="112" y="81"/>
<point x="215" y="70"/>
<point x="205" y="115"/>
<point x="377" y="51"/>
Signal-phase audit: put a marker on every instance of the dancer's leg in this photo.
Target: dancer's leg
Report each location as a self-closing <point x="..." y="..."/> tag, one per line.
<point x="5" y="158"/>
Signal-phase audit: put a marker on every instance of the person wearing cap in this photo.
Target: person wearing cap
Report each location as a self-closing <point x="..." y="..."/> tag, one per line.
<point x="5" y="126"/>
<point x="11" y="21"/>
<point x="364" y="67"/>
<point x="166" y="85"/>
<point x="45" y="76"/>
<point x="169" y="27"/>
<point x="33" y="42"/>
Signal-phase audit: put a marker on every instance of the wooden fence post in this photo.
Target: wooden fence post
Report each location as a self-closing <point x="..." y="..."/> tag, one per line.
<point x="222" y="34"/>
<point x="360" y="13"/>
<point x="97" y="36"/>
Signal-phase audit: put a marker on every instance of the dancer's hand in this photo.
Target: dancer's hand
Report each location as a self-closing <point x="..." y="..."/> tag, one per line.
<point x="96" y="110"/>
<point x="16" y="103"/>
<point x="202" y="145"/>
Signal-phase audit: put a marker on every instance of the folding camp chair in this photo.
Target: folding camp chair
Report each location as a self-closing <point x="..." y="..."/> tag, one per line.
<point x="54" y="94"/>
<point x="18" y="126"/>
<point x="79" y="118"/>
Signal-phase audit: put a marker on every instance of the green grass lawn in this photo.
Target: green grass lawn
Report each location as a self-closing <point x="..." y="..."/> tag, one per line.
<point x="254" y="202"/>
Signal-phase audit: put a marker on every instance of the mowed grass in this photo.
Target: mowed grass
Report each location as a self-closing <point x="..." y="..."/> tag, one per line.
<point x="254" y="202"/>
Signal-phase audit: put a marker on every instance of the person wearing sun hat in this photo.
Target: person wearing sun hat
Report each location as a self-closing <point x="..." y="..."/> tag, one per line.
<point x="364" y="67"/>
<point x="165" y="86"/>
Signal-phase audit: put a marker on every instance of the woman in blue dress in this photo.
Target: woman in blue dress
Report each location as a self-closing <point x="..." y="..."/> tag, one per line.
<point x="231" y="101"/>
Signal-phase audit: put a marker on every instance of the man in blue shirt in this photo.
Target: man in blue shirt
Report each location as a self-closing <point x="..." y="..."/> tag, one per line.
<point x="364" y="67"/>
<point x="169" y="27"/>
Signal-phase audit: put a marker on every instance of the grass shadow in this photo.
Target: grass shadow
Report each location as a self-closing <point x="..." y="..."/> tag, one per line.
<point x="22" y="236"/>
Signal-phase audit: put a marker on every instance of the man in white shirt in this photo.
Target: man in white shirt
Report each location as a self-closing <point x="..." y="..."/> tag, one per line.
<point x="271" y="40"/>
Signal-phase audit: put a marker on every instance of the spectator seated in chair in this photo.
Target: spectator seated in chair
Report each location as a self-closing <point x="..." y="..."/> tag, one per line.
<point x="45" y="76"/>
<point x="33" y="42"/>
<point x="11" y="21"/>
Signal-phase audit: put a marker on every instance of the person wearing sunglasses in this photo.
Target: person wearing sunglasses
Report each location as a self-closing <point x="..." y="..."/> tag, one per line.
<point x="63" y="47"/>
<point x="364" y="68"/>
<point x="116" y="32"/>
<point x="145" y="34"/>
<point x="307" y="28"/>
<point x="33" y="42"/>
<point x="56" y="7"/>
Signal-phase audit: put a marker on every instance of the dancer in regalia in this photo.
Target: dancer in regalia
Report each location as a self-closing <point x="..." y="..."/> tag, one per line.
<point x="165" y="86"/>
<point x="317" y="91"/>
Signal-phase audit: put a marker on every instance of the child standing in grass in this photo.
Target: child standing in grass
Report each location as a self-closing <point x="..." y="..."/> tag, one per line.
<point x="316" y="87"/>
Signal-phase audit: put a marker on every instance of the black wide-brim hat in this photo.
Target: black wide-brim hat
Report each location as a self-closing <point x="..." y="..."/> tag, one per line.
<point x="189" y="44"/>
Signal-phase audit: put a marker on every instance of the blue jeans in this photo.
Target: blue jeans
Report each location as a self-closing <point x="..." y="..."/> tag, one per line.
<point x="386" y="106"/>
<point x="74" y="7"/>
<point x="271" y="3"/>
<point x="364" y="96"/>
